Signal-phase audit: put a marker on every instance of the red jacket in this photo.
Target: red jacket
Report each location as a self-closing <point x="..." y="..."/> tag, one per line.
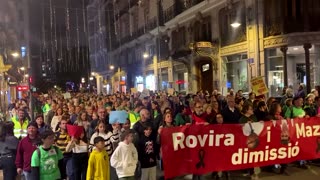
<point x="24" y="153"/>
<point x="198" y="119"/>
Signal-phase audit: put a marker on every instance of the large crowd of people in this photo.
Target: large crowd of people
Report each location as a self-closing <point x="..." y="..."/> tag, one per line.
<point x="41" y="148"/>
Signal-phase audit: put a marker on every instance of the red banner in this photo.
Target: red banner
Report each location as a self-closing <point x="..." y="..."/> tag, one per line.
<point x="200" y="149"/>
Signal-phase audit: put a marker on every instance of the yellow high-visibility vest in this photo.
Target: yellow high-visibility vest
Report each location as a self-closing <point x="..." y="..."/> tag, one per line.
<point x="20" y="130"/>
<point x="133" y="118"/>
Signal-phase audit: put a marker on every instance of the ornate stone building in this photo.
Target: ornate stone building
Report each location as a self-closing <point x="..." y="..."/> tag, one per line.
<point x="212" y="44"/>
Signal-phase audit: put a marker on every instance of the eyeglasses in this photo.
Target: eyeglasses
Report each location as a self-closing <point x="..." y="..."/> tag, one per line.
<point x="199" y="107"/>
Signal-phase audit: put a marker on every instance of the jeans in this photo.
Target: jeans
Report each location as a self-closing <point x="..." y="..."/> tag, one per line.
<point x="68" y="168"/>
<point x="26" y="175"/>
<point x="80" y="164"/>
<point x="149" y="173"/>
<point x="127" y="178"/>
<point x="8" y="167"/>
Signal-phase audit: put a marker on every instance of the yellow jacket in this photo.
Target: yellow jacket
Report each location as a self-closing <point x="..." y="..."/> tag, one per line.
<point x="20" y="130"/>
<point x="98" y="166"/>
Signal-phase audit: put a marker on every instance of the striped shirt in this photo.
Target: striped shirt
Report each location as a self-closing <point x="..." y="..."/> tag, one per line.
<point x="109" y="139"/>
<point x="62" y="140"/>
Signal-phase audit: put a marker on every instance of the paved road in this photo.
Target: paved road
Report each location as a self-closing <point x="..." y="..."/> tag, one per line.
<point x="294" y="173"/>
<point x="313" y="173"/>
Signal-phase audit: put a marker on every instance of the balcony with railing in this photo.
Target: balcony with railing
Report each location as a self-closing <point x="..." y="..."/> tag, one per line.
<point x="167" y="15"/>
<point x="285" y="25"/>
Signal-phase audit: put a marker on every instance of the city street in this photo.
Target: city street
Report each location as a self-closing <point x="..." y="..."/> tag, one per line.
<point x="313" y="173"/>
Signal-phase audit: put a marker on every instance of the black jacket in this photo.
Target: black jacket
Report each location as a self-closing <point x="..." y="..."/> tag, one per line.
<point x="261" y="115"/>
<point x="230" y="117"/>
<point x="147" y="152"/>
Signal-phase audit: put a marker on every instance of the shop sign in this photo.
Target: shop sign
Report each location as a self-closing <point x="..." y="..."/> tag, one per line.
<point x="204" y="44"/>
<point x="180" y="82"/>
<point x="22" y="88"/>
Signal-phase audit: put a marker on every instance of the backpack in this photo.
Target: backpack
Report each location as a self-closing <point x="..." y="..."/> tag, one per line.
<point x="39" y="152"/>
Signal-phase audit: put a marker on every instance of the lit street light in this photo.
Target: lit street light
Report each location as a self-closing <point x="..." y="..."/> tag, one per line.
<point x="235" y="24"/>
<point x="145" y="55"/>
<point x="26" y="75"/>
<point x="91" y="78"/>
<point x="111" y="67"/>
<point x="15" y="54"/>
<point x="22" y="68"/>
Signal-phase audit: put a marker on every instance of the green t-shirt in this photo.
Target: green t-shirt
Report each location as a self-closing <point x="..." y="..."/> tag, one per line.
<point x="48" y="163"/>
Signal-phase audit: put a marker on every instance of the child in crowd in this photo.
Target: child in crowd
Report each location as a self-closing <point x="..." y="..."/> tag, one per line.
<point x="98" y="165"/>
<point x="125" y="157"/>
<point x="147" y="155"/>
<point x="108" y="136"/>
<point x="47" y="160"/>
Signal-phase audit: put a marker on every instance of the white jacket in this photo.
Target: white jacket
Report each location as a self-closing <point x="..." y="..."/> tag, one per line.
<point x="125" y="159"/>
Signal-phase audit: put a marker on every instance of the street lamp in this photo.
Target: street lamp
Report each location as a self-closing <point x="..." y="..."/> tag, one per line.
<point x="145" y="55"/>
<point x="91" y="78"/>
<point x="15" y="54"/>
<point x="22" y="68"/>
<point x="112" y="67"/>
<point x="235" y="24"/>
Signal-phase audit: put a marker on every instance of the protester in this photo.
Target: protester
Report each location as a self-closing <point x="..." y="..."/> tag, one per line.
<point x="25" y="149"/>
<point x="62" y="138"/>
<point x="8" y="149"/>
<point x="41" y="126"/>
<point x="230" y="114"/>
<point x="147" y="155"/>
<point x="125" y="157"/>
<point x="20" y="124"/>
<point x="47" y="160"/>
<point x="79" y="147"/>
<point x="98" y="165"/>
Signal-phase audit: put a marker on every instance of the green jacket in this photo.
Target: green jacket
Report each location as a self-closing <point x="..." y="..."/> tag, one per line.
<point x="294" y="112"/>
<point x="181" y="119"/>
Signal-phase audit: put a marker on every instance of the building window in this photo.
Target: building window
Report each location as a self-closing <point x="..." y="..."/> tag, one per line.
<point x="296" y="68"/>
<point x="229" y="34"/>
<point x="236" y="72"/>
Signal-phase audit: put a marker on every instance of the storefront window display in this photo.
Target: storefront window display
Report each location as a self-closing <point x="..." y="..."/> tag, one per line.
<point x="296" y="68"/>
<point x="236" y="72"/>
<point x="150" y="82"/>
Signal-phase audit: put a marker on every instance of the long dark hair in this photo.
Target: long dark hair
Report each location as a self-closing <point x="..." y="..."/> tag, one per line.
<point x="273" y="108"/>
<point x="6" y="129"/>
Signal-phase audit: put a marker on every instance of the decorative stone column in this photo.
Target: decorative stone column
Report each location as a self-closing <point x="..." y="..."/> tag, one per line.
<point x="194" y="75"/>
<point x="307" y="58"/>
<point x="284" y="50"/>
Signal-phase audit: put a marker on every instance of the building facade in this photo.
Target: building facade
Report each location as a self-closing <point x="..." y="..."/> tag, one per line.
<point x="13" y="51"/>
<point x="193" y="45"/>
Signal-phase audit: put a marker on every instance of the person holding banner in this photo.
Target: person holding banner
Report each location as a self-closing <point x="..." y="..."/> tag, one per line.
<point x="198" y="116"/>
<point x="275" y="115"/>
